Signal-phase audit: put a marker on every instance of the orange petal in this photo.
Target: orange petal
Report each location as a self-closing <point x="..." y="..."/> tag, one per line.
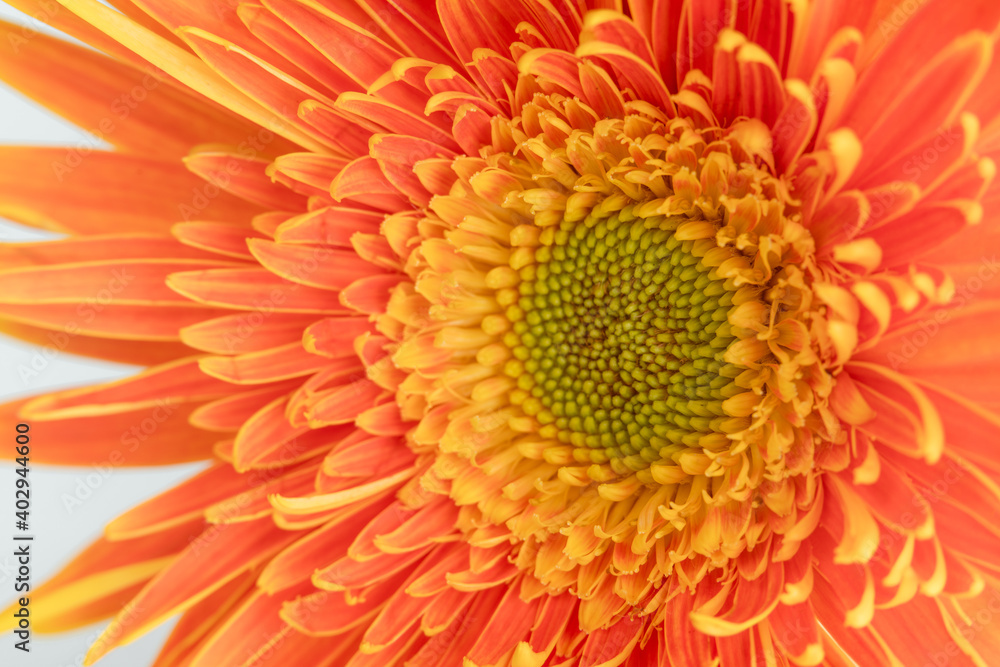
<point x="180" y="63"/>
<point x="173" y="382"/>
<point x="347" y="573"/>
<point x="796" y="630"/>
<point x="920" y="105"/>
<point x="150" y="194"/>
<point x="451" y="644"/>
<point x="199" y="621"/>
<point x="314" y="266"/>
<point x="217" y="237"/>
<point x="752" y="602"/>
<point x="253" y="503"/>
<point x="919" y="628"/>
<point x="268" y="432"/>
<point x="147" y="436"/>
<point x="138" y="353"/>
<point x="229" y="414"/>
<point x="244" y="175"/>
<point x="271" y="365"/>
<point x="684" y="645"/>
<point x="326" y="613"/>
<point x="355" y="51"/>
<point x="363" y="182"/>
<point x="217" y="556"/>
<point x="321" y="547"/>
<point x="274" y="32"/>
<point x="342" y="134"/>
<point x="332" y="225"/>
<point x="929" y="31"/>
<point x="255" y="632"/>
<point x="510" y="623"/>
<point x="343" y="404"/>
<point x="634" y="73"/>
<point x="907" y="419"/>
<point x="252" y="289"/>
<point x="179" y="505"/>
<point x="149" y="116"/>
<point x="247" y="332"/>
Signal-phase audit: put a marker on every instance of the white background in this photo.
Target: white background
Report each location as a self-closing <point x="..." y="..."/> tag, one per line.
<point x="60" y="532"/>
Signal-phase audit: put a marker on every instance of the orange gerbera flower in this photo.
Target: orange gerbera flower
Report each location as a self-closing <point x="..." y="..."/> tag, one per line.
<point x="526" y="333"/>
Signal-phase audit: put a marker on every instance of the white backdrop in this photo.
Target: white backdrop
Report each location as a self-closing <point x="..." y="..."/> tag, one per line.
<point x="61" y="529"/>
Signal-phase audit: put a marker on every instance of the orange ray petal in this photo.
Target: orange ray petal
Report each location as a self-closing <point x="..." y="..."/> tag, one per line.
<point x="274" y="32"/>
<point x="125" y="281"/>
<point x="138" y="353"/>
<point x="255" y="331"/>
<point x="271" y="365"/>
<point x="307" y="173"/>
<point x="230" y="413"/>
<point x="343" y="135"/>
<point x="180" y="504"/>
<point x="268" y="432"/>
<point x="510" y="623"/>
<point x="253" y="503"/>
<point x="319" y="267"/>
<point x="608" y="646"/>
<point x="80" y="249"/>
<point x="217" y="237"/>
<point x="253" y="289"/>
<point x="150" y="194"/>
<point x="157" y="436"/>
<point x="907" y="419"/>
<point x="452" y="644"/>
<point x="179" y="63"/>
<point x="222" y="20"/>
<point x="217" y="556"/>
<point x="177" y="381"/>
<point x="347" y="573"/>
<point x="244" y="174"/>
<point x="363" y="182"/>
<point x="348" y="47"/>
<point x="883" y="86"/>
<point x="332" y="225"/>
<point x="149" y="116"/>
<point x="196" y="623"/>
<point x="919" y="629"/>
<point x="325" y="613"/>
<point x="255" y="632"/>
<point x="321" y="547"/>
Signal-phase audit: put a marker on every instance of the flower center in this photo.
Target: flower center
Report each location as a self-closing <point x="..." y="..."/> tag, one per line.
<point x="619" y="337"/>
<point x="619" y="363"/>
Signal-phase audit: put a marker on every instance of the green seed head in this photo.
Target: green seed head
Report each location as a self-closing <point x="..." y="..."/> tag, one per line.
<point x="622" y="341"/>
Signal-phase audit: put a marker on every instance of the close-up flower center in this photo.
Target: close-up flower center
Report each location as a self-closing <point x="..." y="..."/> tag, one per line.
<point x="618" y="340"/>
<point x="617" y="311"/>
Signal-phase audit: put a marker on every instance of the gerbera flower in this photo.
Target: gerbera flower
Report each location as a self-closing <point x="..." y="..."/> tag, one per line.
<point x="525" y="333"/>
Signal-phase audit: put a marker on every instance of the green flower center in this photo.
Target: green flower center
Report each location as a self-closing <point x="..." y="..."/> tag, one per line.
<point x="619" y="336"/>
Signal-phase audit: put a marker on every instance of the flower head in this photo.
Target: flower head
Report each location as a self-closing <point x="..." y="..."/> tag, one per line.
<point x="528" y="333"/>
